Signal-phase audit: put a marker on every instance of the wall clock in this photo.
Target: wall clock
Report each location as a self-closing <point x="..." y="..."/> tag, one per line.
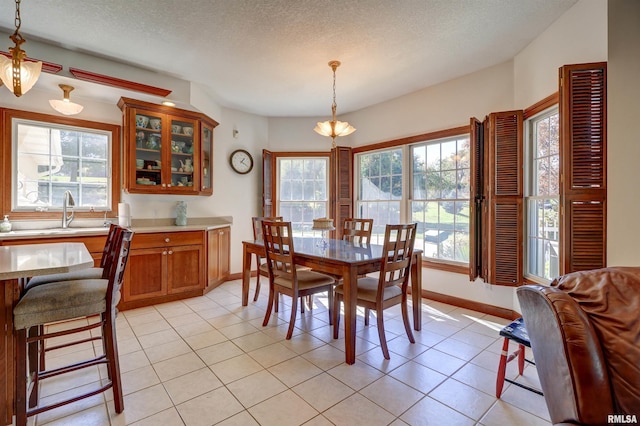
<point x="241" y="161"/>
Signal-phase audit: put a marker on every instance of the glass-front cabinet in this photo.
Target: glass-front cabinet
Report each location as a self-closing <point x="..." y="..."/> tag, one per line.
<point x="167" y="150"/>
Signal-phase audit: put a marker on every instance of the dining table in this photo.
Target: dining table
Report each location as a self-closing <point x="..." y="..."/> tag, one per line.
<point x="17" y="263"/>
<point x="345" y="259"/>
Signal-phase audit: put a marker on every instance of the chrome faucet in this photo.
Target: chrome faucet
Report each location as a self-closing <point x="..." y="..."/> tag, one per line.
<point x="67" y="201"/>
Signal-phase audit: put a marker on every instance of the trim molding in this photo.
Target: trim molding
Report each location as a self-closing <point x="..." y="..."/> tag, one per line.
<point x="470" y="304"/>
<point x="456" y="131"/>
<point x="118" y="82"/>
<point x="48" y="67"/>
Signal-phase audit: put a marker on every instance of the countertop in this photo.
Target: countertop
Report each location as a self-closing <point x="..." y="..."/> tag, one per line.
<point x="137" y="225"/>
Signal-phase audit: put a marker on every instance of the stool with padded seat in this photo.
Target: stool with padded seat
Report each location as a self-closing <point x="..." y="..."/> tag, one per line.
<point x="61" y="301"/>
<point x="108" y="254"/>
<point x="517" y="332"/>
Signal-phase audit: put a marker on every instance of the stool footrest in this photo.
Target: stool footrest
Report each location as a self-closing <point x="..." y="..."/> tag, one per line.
<point x="529" y="388"/>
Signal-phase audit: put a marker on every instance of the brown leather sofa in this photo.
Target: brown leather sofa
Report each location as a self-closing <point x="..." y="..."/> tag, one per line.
<point x="585" y="336"/>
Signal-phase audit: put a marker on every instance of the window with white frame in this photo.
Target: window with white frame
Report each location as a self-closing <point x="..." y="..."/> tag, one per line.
<point x="49" y="159"/>
<point x="542" y="195"/>
<point x="440" y="198"/>
<point x="379" y="189"/>
<point x="303" y="190"/>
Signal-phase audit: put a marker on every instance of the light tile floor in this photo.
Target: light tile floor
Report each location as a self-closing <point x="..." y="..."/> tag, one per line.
<point x="208" y="360"/>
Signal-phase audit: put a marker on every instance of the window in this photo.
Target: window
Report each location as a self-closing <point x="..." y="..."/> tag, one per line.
<point x="302" y="191"/>
<point x="49" y="155"/>
<point x="542" y="196"/>
<point x="51" y="159"/>
<point x="380" y="189"/>
<point x="440" y="198"/>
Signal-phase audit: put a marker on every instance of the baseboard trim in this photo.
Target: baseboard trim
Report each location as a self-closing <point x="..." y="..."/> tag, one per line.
<point x="470" y="304"/>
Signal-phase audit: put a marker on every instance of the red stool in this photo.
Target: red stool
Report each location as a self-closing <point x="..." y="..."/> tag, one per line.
<point x="517" y="332"/>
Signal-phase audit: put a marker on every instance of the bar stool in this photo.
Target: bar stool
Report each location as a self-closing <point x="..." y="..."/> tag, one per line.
<point x="108" y="255"/>
<point x="67" y="300"/>
<point x="517" y="332"/>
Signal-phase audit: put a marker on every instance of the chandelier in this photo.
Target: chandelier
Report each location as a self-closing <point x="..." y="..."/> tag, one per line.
<point x="65" y="106"/>
<point x="334" y="127"/>
<point x="16" y="73"/>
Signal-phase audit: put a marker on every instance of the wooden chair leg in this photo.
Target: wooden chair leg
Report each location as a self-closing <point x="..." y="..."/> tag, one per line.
<point x="257" y="293"/>
<point x="34" y="354"/>
<point x="113" y="365"/>
<point x="502" y="367"/>
<point x="366" y="316"/>
<point x="521" y="359"/>
<point x="405" y="319"/>
<point x="381" y="335"/>
<point x="21" y="377"/>
<point x="270" y="306"/>
<point x="294" y="308"/>
<point x="336" y="315"/>
<point x="330" y="305"/>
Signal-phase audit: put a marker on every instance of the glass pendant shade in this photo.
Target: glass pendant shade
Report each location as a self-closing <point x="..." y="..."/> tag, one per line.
<point x="65" y="106"/>
<point x="26" y="72"/>
<point x="334" y="128"/>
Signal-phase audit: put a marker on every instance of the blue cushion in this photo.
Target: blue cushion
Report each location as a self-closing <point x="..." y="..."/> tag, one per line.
<point x="516" y="331"/>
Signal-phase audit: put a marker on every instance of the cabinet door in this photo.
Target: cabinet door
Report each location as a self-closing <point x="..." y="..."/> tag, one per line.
<point x="206" y="158"/>
<point x="184" y="266"/>
<point x="183" y="155"/>
<point x="145" y="275"/>
<point x="148" y="133"/>
<point x="218" y="255"/>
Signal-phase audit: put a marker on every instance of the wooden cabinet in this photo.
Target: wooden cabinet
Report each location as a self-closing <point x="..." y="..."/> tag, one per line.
<point x="94" y="243"/>
<point x="218" y="256"/>
<point x="167" y="150"/>
<point x="164" y="267"/>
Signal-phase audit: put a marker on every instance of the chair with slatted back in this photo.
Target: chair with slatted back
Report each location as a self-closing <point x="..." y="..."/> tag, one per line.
<point x="257" y="235"/>
<point x="109" y="254"/>
<point x="65" y="301"/>
<point x="390" y="288"/>
<point x="284" y="277"/>
<point x="357" y="230"/>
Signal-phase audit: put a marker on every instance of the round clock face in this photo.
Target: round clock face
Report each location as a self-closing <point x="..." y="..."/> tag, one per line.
<point x="241" y="161"/>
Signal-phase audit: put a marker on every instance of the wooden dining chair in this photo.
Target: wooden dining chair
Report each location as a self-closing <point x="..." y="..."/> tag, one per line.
<point x="62" y="301"/>
<point x="357" y="230"/>
<point x="284" y="277"/>
<point x="390" y="288"/>
<point x="257" y="236"/>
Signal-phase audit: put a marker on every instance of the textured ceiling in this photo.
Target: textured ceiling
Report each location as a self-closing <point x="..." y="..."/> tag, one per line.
<point x="270" y="57"/>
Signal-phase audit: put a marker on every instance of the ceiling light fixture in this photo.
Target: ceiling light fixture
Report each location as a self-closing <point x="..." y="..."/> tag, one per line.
<point x="334" y="127"/>
<point x="65" y="106"/>
<point x="17" y="74"/>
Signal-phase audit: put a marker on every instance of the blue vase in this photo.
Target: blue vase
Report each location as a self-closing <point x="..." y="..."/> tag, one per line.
<point x="181" y="217"/>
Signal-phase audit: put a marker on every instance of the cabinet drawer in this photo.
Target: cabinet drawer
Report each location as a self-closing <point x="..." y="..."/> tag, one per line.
<point x="141" y="240"/>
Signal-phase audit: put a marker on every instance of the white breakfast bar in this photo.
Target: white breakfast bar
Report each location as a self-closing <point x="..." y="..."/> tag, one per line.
<point x="18" y="262"/>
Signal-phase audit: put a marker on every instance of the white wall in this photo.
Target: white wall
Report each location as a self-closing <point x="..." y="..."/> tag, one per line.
<point x="623" y="142"/>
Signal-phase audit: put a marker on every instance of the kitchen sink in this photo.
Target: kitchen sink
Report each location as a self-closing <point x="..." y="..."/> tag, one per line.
<point x="56" y="231"/>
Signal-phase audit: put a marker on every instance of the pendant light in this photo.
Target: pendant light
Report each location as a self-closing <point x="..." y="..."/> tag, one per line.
<point x="16" y="73"/>
<point x="65" y="106"/>
<point x="334" y="127"/>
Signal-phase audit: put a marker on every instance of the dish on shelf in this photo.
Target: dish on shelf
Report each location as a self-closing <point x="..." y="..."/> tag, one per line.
<point x="142" y="121"/>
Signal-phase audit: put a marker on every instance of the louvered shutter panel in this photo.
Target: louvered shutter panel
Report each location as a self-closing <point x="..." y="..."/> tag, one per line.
<point x="341" y="182"/>
<point x="504" y="198"/>
<point x="477" y="200"/>
<point x="583" y="149"/>
<point x="267" y="183"/>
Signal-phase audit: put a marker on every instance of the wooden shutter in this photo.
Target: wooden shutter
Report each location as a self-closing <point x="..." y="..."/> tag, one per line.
<point x="341" y="184"/>
<point x="477" y="248"/>
<point x="583" y="167"/>
<point x="504" y="198"/>
<point x="268" y="178"/>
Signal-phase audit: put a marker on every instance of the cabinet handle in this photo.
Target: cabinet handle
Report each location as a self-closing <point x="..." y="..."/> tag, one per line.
<point x="166" y="240"/>
<point x="170" y="251"/>
<point x="164" y="185"/>
<point x="164" y="253"/>
<point x="221" y="232"/>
